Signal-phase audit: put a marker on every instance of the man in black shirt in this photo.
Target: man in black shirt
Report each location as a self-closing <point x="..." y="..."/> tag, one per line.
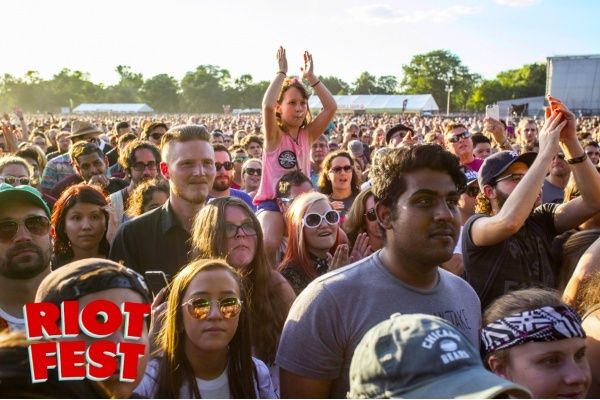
<point x="159" y="239"/>
<point x="506" y="246"/>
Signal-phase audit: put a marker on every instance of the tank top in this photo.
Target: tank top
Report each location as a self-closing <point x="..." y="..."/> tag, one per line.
<point x="289" y="156"/>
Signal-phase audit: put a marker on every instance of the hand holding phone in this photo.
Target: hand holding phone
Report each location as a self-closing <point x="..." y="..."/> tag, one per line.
<point x="492" y="111"/>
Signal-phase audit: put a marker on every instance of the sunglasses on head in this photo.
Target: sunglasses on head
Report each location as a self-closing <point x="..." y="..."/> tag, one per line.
<point x="228" y="165"/>
<point x="314" y="220"/>
<point x="140" y="166"/>
<point x="253" y="171"/>
<point x="456" y="138"/>
<point x="199" y="308"/>
<point x="14" y="180"/>
<point x="37" y="225"/>
<point x="345" y="168"/>
<point x="371" y="215"/>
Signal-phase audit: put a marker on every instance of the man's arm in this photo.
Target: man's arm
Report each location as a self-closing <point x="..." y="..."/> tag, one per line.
<point x="518" y="206"/>
<point x="298" y="387"/>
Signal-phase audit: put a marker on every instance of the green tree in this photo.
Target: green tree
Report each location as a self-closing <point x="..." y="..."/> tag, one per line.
<point x="387" y="84"/>
<point x="433" y="71"/>
<point x="365" y="84"/>
<point x="127" y="90"/>
<point x="203" y="90"/>
<point x="74" y="87"/>
<point x="335" y="85"/>
<point x="161" y="92"/>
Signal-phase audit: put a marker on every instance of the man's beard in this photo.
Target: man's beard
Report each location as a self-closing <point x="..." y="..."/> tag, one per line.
<point x="29" y="267"/>
<point x="501" y="198"/>
<point x="222" y="183"/>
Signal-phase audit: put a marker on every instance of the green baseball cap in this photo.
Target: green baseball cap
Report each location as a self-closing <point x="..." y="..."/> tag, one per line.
<point x="23" y="192"/>
<point x="422" y="356"/>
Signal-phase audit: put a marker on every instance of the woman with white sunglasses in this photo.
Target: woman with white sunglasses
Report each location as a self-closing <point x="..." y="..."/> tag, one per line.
<point x="313" y="229"/>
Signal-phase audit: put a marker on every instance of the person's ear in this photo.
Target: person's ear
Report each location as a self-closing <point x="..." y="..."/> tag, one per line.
<point x="489" y="192"/>
<point x="384" y="215"/>
<point x="164" y="169"/>
<point x="498" y="367"/>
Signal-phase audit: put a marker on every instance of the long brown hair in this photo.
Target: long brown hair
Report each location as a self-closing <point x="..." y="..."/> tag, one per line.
<point x="268" y="311"/>
<point x="81" y="193"/>
<point x="175" y="370"/>
<point x="287" y="84"/>
<point x="355" y="222"/>
<point x="324" y="183"/>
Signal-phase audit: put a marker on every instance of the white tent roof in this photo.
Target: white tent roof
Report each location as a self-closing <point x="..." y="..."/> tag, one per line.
<point x="113" y="107"/>
<point x="381" y="102"/>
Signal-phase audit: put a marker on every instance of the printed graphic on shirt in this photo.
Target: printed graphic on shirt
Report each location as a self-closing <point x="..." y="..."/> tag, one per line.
<point x="287" y="159"/>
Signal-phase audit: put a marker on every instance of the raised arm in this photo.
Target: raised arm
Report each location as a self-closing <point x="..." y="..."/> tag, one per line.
<point x="496" y="130"/>
<point x="319" y="124"/>
<point x="272" y="131"/>
<point x="576" y="211"/>
<point x="511" y="217"/>
<point x="24" y="127"/>
<point x="588" y="265"/>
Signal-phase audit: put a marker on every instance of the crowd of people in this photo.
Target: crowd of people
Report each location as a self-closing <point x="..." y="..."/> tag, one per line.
<point x="324" y="256"/>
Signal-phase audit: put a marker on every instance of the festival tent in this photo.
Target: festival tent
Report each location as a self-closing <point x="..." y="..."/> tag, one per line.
<point x="133" y="108"/>
<point x="382" y="103"/>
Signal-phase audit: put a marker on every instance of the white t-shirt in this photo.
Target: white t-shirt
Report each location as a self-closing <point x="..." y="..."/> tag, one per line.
<point x="217" y="388"/>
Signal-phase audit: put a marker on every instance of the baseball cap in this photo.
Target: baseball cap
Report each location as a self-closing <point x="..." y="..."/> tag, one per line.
<point x="23" y="192"/>
<point x="90" y="275"/>
<point x="422" y="356"/>
<point x="499" y="162"/>
<point x="469" y="174"/>
<point x="397" y="128"/>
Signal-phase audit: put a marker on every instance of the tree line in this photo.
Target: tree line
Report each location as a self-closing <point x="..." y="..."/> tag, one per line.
<point x="209" y="87"/>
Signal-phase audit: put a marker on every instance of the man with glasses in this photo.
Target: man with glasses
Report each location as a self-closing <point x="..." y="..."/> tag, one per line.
<point x="90" y="167"/>
<point x="224" y="176"/>
<point x="400" y="136"/>
<point x="160" y="239"/>
<point x="553" y="190"/>
<point x="61" y="167"/>
<point x="140" y="160"/>
<point x="507" y="244"/>
<point x="459" y="142"/>
<point x="154" y="131"/>
<point x="25" y="251"/>
<point x="417" y="191"/>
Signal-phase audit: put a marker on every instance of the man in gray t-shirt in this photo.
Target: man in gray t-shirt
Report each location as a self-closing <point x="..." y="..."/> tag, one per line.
<point x="417" y="192"/>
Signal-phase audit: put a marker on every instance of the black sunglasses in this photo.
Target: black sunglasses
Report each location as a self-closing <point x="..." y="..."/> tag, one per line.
<point x="253" y="171"/>
<point x="228" y="165"/>
<point x="36" y="225"/>
<point x="371" y="215"/>
<point x="345" y="168"/>
<point x="156" y="135"/>
<point x="456" y="138"/>
<point x="14" y="180"/>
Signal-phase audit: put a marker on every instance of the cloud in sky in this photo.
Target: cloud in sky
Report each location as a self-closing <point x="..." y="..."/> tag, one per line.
<point x="378" y="14"/>
<point x="517" y="3"/>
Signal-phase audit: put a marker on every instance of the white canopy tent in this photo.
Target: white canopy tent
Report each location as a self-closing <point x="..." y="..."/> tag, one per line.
<point x="133" y="108"/>
<point x="379" y="103"/>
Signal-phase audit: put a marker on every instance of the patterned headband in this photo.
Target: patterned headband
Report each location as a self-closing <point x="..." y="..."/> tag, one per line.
<point x="545" y="324"/>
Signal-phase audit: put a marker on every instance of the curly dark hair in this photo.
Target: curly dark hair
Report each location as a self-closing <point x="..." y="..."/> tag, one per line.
<point x="142" y="195"/>
<point x="127" y="156"/>
<point x="387" y="175"/>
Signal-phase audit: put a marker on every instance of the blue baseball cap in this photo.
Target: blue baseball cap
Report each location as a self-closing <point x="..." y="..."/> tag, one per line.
<point x="497" y="163"/>
<point x="23" y="193"/>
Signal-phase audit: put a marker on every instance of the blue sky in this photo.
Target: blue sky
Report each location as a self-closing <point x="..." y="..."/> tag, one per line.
<point x="345" y="37"/>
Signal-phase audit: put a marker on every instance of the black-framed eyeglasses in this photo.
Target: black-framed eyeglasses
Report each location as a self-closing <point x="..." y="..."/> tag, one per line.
<point x="15" y="180"/>
<point x="253" y="171"/>
<point x="338" y="169"/>
<point x="140" y="166"/>
<point x="456" y="138"/>
<point x="233" y="230"/>
<point x="472" y="191"/>
<point x="228" y="165"/>
<point x="199" y="308"/>
<point x="36" y="225"/>
<point x="371" y="215"/>
<point x="515" y="178"/>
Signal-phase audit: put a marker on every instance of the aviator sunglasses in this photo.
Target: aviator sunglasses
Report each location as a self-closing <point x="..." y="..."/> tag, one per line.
<point x="199" y="308"/>
<point x="36" y="225"/>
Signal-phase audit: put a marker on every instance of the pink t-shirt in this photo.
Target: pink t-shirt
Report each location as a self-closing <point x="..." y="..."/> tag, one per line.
<point x="291" y="155"/>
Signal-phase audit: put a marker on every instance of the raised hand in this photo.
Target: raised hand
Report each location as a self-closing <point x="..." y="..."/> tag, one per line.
<point x="361" y="248"/>
<point x="282" y="60"/>
<point x="569" y="132"/>
<point x="308" y="68"/>
<point x="550" y="133"/>
<point x="340" y="257"/>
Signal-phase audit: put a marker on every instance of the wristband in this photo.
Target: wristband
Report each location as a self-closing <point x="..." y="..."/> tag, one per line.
<point x="577" y="160"/>
<point x="316" y="83"/>
<point x="282" y="73"/>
